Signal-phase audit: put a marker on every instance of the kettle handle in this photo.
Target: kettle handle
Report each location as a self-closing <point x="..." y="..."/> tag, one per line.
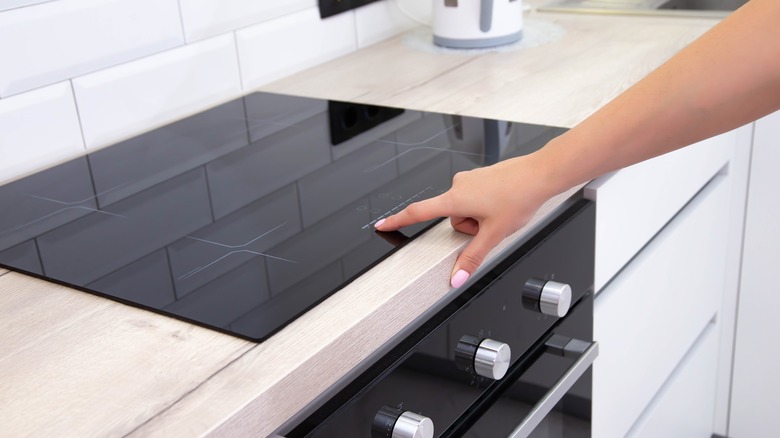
<point x="485" y="15"/>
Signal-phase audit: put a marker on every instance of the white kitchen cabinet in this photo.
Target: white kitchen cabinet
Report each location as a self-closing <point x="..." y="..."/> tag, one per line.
<point x="650" y="314"/>
<point x="690" y="390"/>
<point x="756" y="381"/>
<point x="632" y="205"/>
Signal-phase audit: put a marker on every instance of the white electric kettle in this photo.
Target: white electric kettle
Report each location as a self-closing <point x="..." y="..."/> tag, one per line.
<point x="477" y="23"/>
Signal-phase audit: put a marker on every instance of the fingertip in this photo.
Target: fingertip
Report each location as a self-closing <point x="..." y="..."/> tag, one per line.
<point x="459" y="278"/>
<point x="379" y="223"/>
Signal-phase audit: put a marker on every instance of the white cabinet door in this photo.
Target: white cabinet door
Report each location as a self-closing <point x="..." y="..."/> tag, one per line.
<point x="633" y="204"/>
<point x="684" y="407"/>
<point x="650" y="315"/>
<point x="756" y="379"/>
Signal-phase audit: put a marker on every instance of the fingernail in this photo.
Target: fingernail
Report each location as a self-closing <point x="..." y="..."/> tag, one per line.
<point x="379" y="223"/>
<point x="459" y="278"/>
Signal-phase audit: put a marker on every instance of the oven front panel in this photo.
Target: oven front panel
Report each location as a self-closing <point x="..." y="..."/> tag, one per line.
<point x="442" y="376"/>
<point x="511" y="405"/>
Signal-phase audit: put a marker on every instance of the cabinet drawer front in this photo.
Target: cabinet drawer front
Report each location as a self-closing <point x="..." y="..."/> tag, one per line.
<point x="683" y="407"/>
<point x="651" y="314"/>
<point x="633" y="204"/>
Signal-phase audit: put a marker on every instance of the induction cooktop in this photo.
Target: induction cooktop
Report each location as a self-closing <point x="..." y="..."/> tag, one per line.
<point x="242" y="217"/>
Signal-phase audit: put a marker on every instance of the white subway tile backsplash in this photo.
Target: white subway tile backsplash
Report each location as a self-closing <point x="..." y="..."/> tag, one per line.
<point x="54" y="41"/>
<point x="205" y="18"/>
<point x="380" y="20"/>
<point x="271" y="50"/>
<point x="131" y="70"/>
<point x="37" y="129"/>
<point x="134" y="97"/>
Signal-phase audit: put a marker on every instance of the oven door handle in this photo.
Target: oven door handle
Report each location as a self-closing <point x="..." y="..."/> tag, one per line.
<point x="556" y="393"/>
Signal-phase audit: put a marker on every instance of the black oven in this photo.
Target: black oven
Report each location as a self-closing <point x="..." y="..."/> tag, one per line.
<point x="510" y="356"/>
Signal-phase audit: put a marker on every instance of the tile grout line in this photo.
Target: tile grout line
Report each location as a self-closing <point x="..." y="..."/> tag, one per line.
<point x="238" y="65"/>
<point x="78" y="114"/>
<point x="181" y="23"/>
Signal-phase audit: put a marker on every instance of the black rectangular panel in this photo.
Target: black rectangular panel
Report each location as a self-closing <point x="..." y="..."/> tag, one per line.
<point x="334" y="7"/>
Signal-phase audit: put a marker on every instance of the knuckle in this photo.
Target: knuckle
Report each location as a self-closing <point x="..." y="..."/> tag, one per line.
<point x="459" y="176"/>
<point x="472" y="259"/>
<point x="413" y="210"/>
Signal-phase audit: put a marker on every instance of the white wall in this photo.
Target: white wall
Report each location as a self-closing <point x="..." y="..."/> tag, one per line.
<point x="82" y="74"/>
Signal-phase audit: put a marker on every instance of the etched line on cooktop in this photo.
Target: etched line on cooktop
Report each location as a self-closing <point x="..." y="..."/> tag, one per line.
<point x="398" y="207"/>
<point x="211" y="242"/>
<point x="77" y="202"/>
<point x="420" y="142"/>
<point x="78" y="207"/>
<point x="271" y="120"/>
<point x="71" y="205"/>
<point x="432" y="148"/>
<point x="373" y="168"/>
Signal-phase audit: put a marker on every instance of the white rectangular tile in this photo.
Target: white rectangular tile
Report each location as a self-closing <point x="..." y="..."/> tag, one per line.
<point x="126" y="100"/>
<point x="50" y="42"/>
<point x="280" y="47"/>
<point x="205" y="18"/>
<point x="38" y="128"/>
<point x="381" y="20"/>
<point x="6" y="5"/>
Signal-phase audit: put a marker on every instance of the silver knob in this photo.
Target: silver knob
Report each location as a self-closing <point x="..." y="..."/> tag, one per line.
<point x="411" y="425"/>
<point x="492" y="359"/>
<point x="548" y="297"/>
<point x="555" y="299"/>
<point x="397" y="423"/>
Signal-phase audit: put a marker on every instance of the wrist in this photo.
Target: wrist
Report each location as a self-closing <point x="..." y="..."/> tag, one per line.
<point x="554" y="171"/>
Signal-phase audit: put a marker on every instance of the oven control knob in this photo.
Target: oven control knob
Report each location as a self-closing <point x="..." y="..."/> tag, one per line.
<point x="488" y="358"/>
<point x="549" y="297"/>
<point x="395" y="423"/>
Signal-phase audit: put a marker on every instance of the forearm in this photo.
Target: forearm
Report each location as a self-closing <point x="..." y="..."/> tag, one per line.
<point x="725" y="79"/>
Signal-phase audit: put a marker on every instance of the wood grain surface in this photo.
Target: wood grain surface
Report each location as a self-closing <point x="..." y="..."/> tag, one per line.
<point x="75" y="364"/>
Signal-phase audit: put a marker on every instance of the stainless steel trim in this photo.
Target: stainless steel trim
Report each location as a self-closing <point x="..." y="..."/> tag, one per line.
<point x="556" y="393"/>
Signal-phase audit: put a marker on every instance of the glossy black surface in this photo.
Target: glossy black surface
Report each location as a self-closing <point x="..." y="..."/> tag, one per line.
<point x="424" y="373"/>
<point x="242" y="217"/>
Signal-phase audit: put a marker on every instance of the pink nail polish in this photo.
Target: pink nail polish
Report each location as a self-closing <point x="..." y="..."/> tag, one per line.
<point x="459" y="278"/>
<point x="379" y="223"/>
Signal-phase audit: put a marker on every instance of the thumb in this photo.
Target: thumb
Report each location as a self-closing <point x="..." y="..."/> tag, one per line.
<point x="473" y="255"/>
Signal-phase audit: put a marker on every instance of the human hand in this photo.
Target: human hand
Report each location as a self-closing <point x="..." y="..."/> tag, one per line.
<point x="489" y="203"/>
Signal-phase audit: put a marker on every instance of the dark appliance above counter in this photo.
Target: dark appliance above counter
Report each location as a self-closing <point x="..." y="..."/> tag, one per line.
<point x="242" y="217"/>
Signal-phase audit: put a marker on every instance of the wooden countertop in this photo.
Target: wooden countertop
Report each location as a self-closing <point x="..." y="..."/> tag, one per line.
<point x="75" y="364"/>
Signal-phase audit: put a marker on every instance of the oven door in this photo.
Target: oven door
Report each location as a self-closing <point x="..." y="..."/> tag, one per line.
<point x="545" y="394"/>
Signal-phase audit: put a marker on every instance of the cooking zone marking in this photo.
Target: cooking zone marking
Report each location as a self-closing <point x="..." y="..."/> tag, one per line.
<point x="430" y="148"/>
<point x="399" y="207"/>
<point x="72" y="205"/>
<point x="201" y="268"/>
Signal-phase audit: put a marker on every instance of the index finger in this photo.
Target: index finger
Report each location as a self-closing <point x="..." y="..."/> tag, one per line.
<point x="413" y="213"/>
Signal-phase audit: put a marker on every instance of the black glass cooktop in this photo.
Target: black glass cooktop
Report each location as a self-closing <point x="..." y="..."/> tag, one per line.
<point x="242" y="217"/>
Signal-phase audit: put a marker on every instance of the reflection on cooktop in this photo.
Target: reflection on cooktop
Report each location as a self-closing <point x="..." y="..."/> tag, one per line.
<point x="242" y="217"/>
